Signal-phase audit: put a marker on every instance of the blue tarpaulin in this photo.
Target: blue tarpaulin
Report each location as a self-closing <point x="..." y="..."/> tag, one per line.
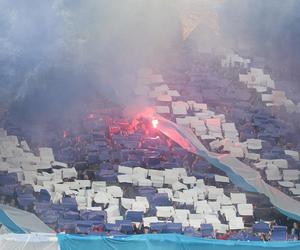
<point x="165" y="242"/>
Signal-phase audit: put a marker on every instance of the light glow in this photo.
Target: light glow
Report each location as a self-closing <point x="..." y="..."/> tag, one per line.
<point x="154" y="123"/>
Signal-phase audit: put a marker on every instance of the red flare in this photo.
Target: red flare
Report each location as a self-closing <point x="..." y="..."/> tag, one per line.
<point x="66" y="134"/>
<point x="154" y="123"/>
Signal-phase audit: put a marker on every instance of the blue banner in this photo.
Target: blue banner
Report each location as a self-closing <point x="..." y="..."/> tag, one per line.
<point x="165" y="242"/>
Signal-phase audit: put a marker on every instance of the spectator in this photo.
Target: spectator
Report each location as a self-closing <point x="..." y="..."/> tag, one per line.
<point x="146" y="230"/>
<point x="135" y="229"/>
<point x="295" y="231"/>
<point x="264" y="237"/>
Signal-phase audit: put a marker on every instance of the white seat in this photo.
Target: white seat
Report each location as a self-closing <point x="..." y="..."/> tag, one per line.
<point x="127" y="203"/>
<point x="165" y="212"/>
<point x="245" y="209"/>
<point x="49" y="185"/>
<point x="140" y="171"/>
<point x="214" y="193"/>
<point x="148" y="220"/>
<point x="214" y="205"/>
<point x="156" y="172"/>
<point x="192" y="193"/>
<point x="295" y="191"/>
<point x="69" y="173"/>
<point x="136" y="177"/>
<point x="203" y="208"/>
<point x="162" y="88"/>
<point x="290" y="174"/>
<point x="46" y="154"/>
<point x="287" y="184"/>
<point x="224" y="200"/>
<point x="182" y="213"/>
<point x="29" y="167"/>
<point x="238" y="198"/>
<point x="179" y="108"/>
<point x="73" y="185"/>
<point x="196" y="216"/>
<point x="189" y="180"/>
<point x="178" y="186"/>
<point x="223" y="228"/>
<point x="112" y="211"/>
<point x="98" y="185"/>
<point x="124" y="170"/>
<point x="145" y="183"/>
<point x="196" y="223"/>
<point x="102" y="197"/>
<point x="273" y="174"/>
<point x="167" y="191"/>
<point x="125" y="178"/>
<point x="200" y="183"/>
<point x="222" y="179"/>
<point x="173" y="93"/>
<point x="186" y="198"/>
<point x="113" y="219"/>
<point x="114" y="201"/>
<point x="41" y="178"/>
<point x="4" y="166"/>
<point x="157" y="178"/>
<point x="56" y="197"/>
<point x="254" y="144"/>
<point x="29" y="177"/>
<point x="170" y="179"/>
<point x="212" y="219"/>
<point x="140" y="206"/>
<point x="293" y="154"/>
<point x="157" y="184"/>
<point x="281" y="163"/>
<point x="229" y="212"/>
<point x="37" y="188"/>
<point x="61" y="188"/>
<point x="236" y="223"/>
<point x="162" y="109"/>
<point x="199" y="106"/>
<point x="115" y="191"/>
<point x="184" y="222"/>
<point x="84" y="183"/>
<point x="164" y="98"/>
<point x="59" y="164"/>
<point x="252" y="156"/>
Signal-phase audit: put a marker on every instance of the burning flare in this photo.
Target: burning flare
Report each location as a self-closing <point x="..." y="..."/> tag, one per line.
<point x="154" y="123"/>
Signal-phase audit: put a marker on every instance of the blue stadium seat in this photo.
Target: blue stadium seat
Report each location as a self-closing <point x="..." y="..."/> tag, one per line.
<point x="261" y="227"/>
<point x="173" y="228"/>
<point x="125" y="226"/>
<point x="207" y="230"/>
<point x="158" y="227"/>
<point x="111" y="227"/>
<point x="161" y="199"/>
<point x="279" y="233"/>
<point x="71" y="215"/>
<point x="134" y="216"/>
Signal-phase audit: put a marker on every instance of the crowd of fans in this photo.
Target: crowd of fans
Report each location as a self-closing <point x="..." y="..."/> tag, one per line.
<point x="104" y="140"/>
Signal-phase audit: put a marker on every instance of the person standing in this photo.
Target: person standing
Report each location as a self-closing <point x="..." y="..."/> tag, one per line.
<point x="295" y="231"/>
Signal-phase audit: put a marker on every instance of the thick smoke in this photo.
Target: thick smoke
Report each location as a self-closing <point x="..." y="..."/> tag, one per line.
<point x="63" y="53"/>
<point x="266" y="28"/>
<point x="54" y="54"/>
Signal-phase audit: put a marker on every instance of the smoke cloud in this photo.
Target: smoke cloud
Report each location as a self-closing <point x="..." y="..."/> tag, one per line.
<point x="53" y="53"/>
<point x="64" y="53"/>
<point x="266" y="28"/>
